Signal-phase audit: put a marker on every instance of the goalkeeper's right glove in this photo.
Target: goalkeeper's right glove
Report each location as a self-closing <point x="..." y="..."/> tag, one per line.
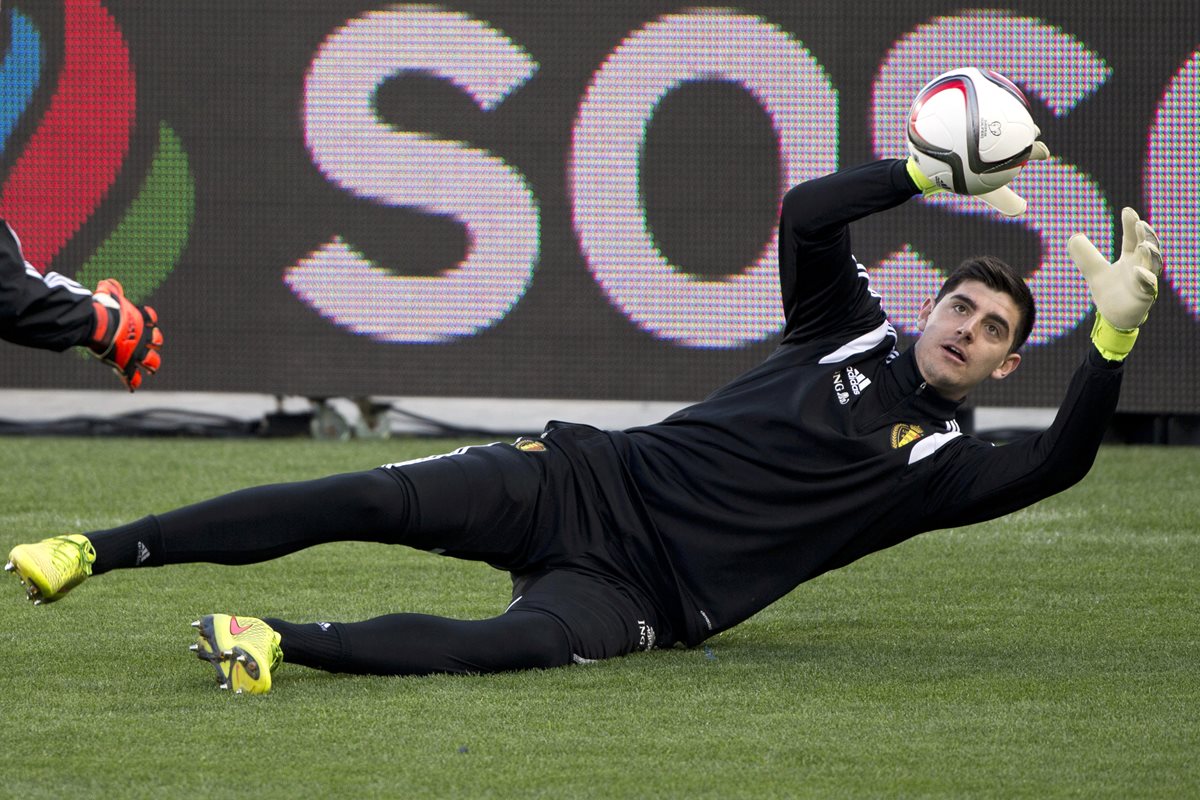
<point x="126" y="337"/>
<point x="1004" y="199"/>
<point x="1123" y="290"/>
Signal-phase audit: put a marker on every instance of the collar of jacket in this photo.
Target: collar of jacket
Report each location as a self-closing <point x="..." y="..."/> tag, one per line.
<point x="902" y="380"/>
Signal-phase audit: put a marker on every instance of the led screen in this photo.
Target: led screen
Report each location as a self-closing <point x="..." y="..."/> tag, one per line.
<point x="569" y="200"/>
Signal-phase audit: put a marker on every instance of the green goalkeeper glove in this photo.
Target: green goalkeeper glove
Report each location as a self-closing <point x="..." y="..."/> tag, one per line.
<point x="1124" y="290"/>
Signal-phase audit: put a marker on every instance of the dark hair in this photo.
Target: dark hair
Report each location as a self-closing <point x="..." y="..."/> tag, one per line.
<point x="1000" y="277"/>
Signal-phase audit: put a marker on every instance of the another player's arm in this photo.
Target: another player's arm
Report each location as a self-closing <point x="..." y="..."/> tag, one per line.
<point x="50" y="312"/>
<point x="53" y="312"/>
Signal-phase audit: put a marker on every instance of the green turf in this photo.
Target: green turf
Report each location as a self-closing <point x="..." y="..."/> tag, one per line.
<point x="1052" y="654"/>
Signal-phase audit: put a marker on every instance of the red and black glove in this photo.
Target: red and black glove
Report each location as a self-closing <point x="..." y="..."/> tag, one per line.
<point x="126" y="337"/>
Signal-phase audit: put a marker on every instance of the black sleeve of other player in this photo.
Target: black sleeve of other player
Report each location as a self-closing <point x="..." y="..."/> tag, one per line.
<point x="49" y="312"/>
<point x="978" y="482"/>
<point x="821" y="287"/>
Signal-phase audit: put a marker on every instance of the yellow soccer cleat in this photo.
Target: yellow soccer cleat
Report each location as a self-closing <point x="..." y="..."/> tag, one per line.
<point x="243" y="651"/>
<point x="52" y="567"/>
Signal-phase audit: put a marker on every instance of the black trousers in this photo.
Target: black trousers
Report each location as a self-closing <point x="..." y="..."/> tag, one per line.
<point x="45" y="311"/>
<point x="526" y="511"/>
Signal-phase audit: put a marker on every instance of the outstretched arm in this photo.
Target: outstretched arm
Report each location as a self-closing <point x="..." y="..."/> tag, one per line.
<point x="823" y="290"/>
<point x="980" y="482"/>
<point x="976" y="481"/>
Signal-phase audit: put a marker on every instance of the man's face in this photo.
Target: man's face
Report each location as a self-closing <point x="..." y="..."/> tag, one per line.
<point x="965" y="338"/>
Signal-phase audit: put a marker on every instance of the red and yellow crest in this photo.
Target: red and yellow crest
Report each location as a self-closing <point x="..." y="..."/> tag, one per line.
<point x="904" y="434"/>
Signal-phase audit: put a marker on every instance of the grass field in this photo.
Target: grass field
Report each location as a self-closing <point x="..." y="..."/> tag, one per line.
<point x="1052" y="654"/>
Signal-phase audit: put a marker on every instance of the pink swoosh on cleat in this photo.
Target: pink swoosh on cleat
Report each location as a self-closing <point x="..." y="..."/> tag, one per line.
<point x="236" y="629"/>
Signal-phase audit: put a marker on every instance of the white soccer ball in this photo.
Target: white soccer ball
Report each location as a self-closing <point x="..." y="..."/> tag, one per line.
<point x="970" y="130"/>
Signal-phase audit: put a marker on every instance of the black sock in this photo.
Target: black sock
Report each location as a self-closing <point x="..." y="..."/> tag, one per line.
<point x="316" y="644"/>
<point x="138" y="544"/>
<point x="419" y="644"/>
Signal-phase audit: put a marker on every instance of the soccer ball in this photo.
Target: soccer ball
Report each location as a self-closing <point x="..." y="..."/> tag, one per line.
<point x="970" y="131"/>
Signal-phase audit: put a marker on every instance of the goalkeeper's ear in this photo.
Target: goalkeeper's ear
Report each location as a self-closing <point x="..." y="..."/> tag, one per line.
<point x="1007" y="366"/>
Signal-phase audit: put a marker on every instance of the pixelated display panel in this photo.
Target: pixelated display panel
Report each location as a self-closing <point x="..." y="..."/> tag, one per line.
<point x="577" y="200"/>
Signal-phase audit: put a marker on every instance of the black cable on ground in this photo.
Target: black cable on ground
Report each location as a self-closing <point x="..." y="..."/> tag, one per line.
<point x="149" y="422"/>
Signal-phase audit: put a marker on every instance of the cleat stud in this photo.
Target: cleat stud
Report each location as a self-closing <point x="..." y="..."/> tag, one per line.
<point x="196" y="624"/>
<point x="227" y="654"/>
<point x="239" y="691"/>
<point x="241" y="659"/>
<point x="9" y="567"/>
<point x="37" y="602"/>
<point x="195" y="648"/>
<point x="224" y="685"/>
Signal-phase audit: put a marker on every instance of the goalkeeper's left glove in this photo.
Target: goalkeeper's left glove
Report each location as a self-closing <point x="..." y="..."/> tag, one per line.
<point x="1124" y="290"/>
<point x="1004" y="199"/>
<point x="126" y="337"/>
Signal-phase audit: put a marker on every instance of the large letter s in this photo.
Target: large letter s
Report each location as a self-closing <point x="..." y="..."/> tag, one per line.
<point x="1050" y="65"/>
<point x="358" y="151"/>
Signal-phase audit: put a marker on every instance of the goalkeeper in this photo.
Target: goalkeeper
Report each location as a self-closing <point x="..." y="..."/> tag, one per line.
<point x="835" y="447"/>
<point x="53" y="312"/>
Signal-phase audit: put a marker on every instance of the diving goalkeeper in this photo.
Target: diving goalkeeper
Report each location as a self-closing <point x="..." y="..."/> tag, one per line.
<point x="836" y="446"/>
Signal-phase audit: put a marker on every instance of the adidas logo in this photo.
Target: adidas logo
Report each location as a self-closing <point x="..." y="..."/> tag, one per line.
<point x="853" y="385"/>
<point x="143" y="553"/>
<point x="325" y="626"/>
<point x="858" y="382"/>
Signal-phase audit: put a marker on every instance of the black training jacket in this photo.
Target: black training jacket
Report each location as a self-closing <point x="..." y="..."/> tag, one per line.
<point x="833" y="447"/>
<point x="48" y="311"/>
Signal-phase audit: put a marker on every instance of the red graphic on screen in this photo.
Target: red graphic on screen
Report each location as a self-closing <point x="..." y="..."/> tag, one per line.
<point x="74" y="156"/>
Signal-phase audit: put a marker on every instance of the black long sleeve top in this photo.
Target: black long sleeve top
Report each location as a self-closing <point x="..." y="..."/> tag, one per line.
<point x="833" y="447"/>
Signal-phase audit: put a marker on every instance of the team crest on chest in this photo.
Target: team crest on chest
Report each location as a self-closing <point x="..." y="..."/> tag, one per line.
<point x="904" y="434"/>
